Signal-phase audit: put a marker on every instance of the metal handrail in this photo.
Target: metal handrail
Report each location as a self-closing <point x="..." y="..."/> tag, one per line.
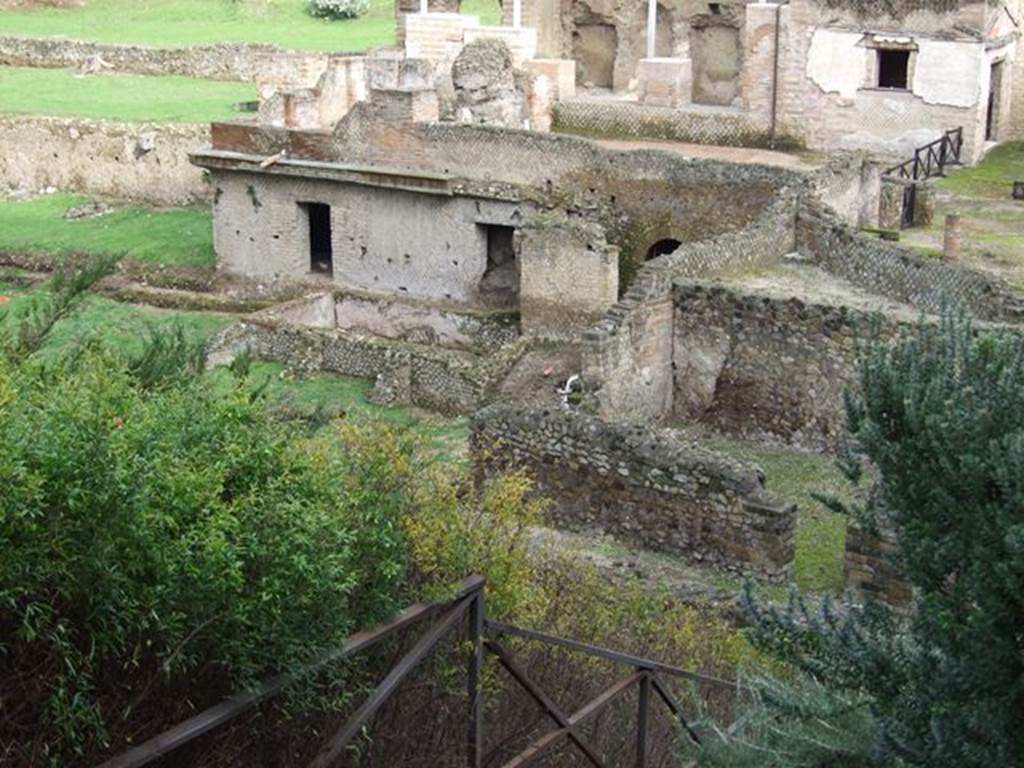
<point x="468" y="599"/>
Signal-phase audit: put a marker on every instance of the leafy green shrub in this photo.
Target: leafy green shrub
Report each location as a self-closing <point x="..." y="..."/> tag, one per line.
<point x="339" y="9"/>
<point x="175" y="532"/>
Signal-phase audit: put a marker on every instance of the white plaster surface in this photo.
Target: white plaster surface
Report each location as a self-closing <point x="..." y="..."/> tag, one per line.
<point x="835" y="62"/>
<point x="949" y="73"/>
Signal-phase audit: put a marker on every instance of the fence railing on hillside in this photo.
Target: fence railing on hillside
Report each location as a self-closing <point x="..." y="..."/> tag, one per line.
<point x="484" y="639"/>
<point x="931" y="159"/>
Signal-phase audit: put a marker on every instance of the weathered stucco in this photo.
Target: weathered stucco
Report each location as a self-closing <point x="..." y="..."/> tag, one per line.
<point x="950" y="73"/>
<point x="836" y="62"/>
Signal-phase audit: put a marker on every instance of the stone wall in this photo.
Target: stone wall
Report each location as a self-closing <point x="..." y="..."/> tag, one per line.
<point x="142" y="162"/>
<point x="627" y="357"/>
<point x="642" y="486"/>
<point x="441" y="380"/>
<point x="902" y="275"/>
<point x="766" y="368"/>
<point x="868" y="569"/>
<point x="246" y="62"/>
<point x="694" y="125"/>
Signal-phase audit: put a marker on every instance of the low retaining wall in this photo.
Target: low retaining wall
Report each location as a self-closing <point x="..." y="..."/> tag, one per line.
<point x="642" y="486"/>
<point x="902" y="275"/>
<point x="618" y="119"/>
<point x="628" y="355"/>
<point x="224" y="61"/>
<point x="142" y="162"/>
<point x="301" y="335"/>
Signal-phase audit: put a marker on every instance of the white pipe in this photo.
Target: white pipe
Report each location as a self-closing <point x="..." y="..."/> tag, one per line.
<point x="652" y="26"/>
<point x="517" y="13"/>
<point x="423" y="6"/>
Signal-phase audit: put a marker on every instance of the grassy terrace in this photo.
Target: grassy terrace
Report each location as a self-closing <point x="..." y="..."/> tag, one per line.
<point x="181" y="237"/>
<point x="992" y="222"/>
<point x="181" y="23"/>
<point x="127" y="98"/>
<point x="793" y="476"/>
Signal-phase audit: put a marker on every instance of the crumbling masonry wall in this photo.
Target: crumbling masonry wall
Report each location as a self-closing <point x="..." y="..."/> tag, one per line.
<point x="143" y="162"/>
<point x="642" y="486"/>
<point x="246" y="62"/>
<point x="900" y="274"/>
<point x="767" y="368"/>
<point x="628" y="356"/>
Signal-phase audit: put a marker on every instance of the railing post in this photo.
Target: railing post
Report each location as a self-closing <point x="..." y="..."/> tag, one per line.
<point x="475" y="750"/>
<point x="643" y="708"/>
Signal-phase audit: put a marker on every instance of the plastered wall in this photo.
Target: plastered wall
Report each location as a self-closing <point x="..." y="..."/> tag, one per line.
<point x="405" y="243"/>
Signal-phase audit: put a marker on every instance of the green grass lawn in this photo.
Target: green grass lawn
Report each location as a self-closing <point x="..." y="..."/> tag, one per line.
<point x="127" y="98"/>
<point x="793" y="476"/>
<point x="181" y="237"/>
<point x="180" y="23"/>
<point x="993" y="177"/>
<point x="992" y="222"/>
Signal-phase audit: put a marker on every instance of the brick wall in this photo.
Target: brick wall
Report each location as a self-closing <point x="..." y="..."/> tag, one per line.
<point x="441" y="380"/>
<point x="868" y="568"/>
<point x="871" y="118"/>
<point x="642" y="486"/>
<point x="430" y="246"/>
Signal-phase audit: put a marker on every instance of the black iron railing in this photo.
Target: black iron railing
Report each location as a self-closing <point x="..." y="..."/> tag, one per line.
<point x="931" y="159"/>
<point x="483" y="639"/>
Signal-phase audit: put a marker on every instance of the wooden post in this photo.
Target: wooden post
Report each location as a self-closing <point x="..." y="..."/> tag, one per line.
<point x="643" y="707"/>
<point x="475" y="746"/>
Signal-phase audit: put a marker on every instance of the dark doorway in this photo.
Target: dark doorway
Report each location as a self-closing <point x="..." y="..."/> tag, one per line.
<point x="662" y="247"/>
<point x="995" y="90"/>
<point x="321" y="252"/>
<point x="499" y="285"/>
<point x="893" y="69"/>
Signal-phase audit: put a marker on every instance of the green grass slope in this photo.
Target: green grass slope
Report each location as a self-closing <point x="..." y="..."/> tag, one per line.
<point x="181" y="23"/>
<point x="181" y="237"/>
<point x="127" y="98"/>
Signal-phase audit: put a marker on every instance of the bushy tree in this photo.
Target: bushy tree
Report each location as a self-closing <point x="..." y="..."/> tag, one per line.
<point x="339" y="9"/>
<point x="941" y="416"/>
<point x="155" y="530"/>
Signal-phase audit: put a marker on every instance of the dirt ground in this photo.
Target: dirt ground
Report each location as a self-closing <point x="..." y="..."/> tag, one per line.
<point x="539" y="373"/>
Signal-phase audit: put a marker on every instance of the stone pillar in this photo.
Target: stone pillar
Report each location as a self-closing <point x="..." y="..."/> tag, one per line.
<point x="951" y="238"/>
<point x="666" y="82"/>
<point x="568" y="275"/>
<point x="757" y="77"/>
<point x="924" y="205"/>
<point x="890" y="204"/>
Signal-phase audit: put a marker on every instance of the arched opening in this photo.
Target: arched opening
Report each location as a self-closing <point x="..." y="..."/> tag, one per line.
<point x="662" y="247"/>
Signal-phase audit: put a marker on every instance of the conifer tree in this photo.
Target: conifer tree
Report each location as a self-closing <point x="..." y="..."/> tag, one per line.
<point x="940" y="415"/>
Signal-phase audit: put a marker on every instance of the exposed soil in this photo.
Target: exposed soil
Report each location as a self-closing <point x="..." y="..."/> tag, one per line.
<point x="539" y="373"/>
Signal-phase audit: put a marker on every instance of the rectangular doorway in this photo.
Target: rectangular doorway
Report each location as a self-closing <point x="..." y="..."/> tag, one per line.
<point x="321" y="250"/>
<point x="995" y="91"/>
<point x="499" y="285"/>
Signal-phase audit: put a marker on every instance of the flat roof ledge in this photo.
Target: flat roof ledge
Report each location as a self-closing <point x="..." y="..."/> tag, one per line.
<point x="424" y="182"/>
